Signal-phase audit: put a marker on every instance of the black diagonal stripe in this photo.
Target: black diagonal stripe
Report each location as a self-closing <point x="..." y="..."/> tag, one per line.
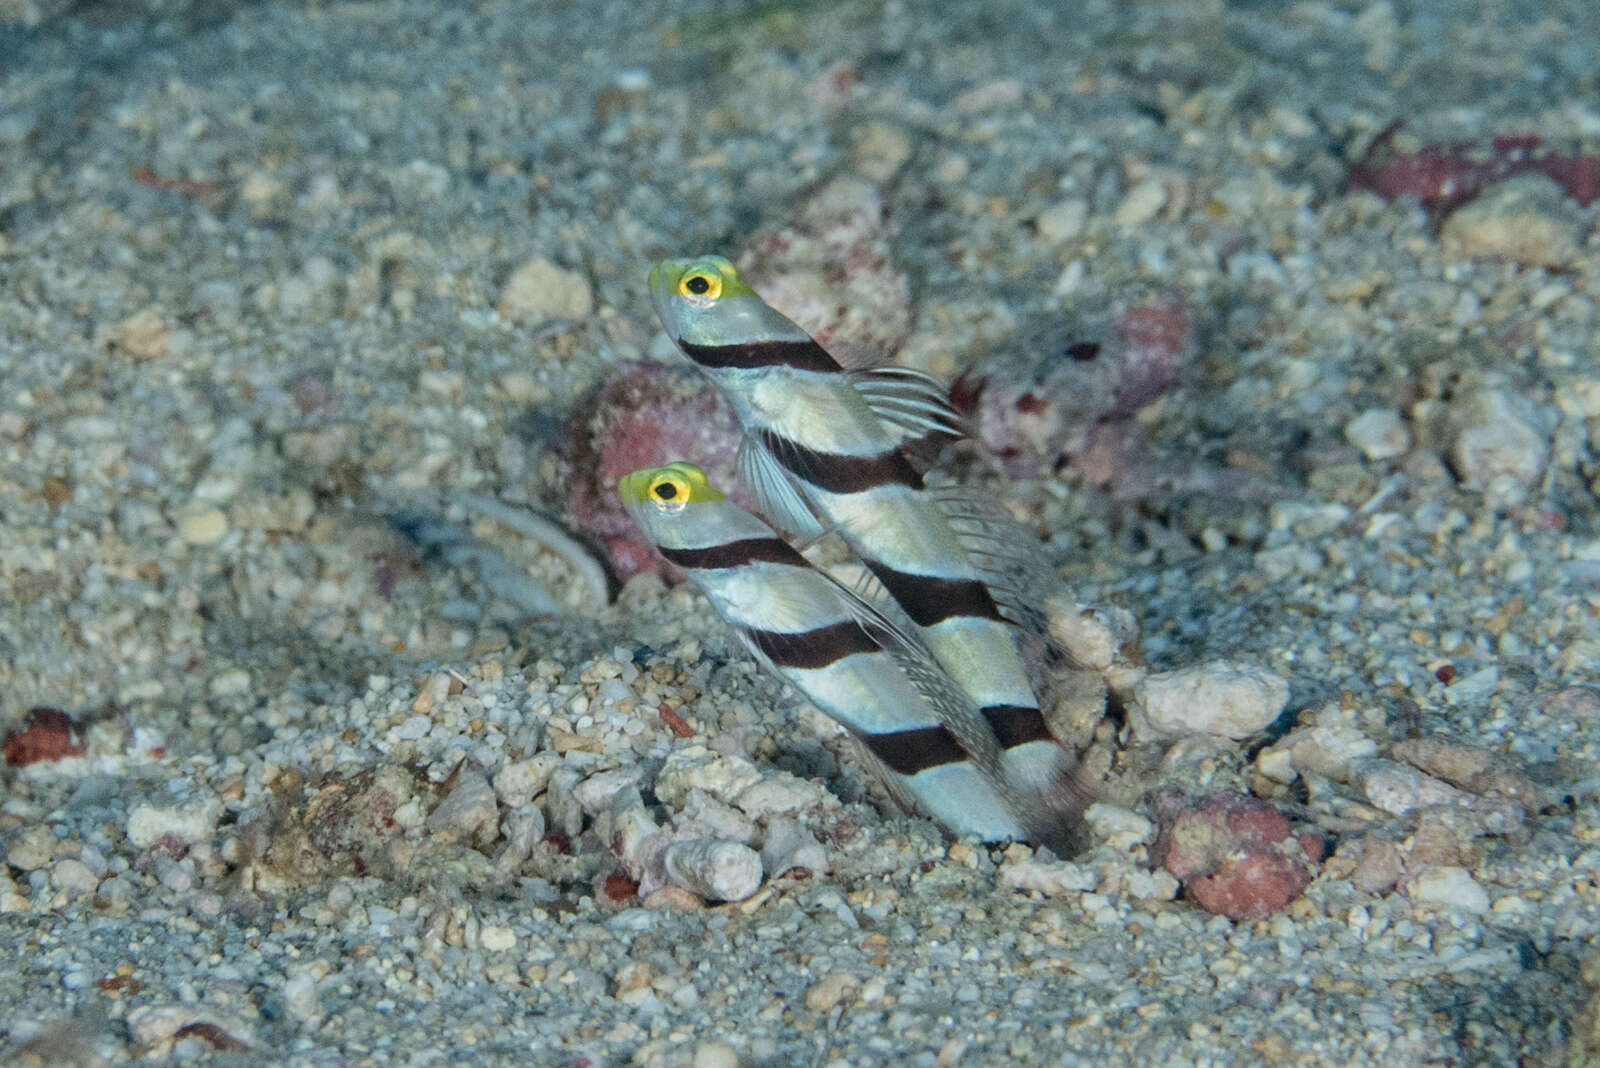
<point x="929" y="600"/>
<point x="814" y="648"/>
<point x="737" y="554"/>
<point x="1016" y="725"/>
<point x="801" y="355"/>
<point x="918" y="749"/>
<point x="838" y="472"/>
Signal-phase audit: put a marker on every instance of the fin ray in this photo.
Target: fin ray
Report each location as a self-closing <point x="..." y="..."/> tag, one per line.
<point x="909" y="399"/>
<point x="775" y="494"/>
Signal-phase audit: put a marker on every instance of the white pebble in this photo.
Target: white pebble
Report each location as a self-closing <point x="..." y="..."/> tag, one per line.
<point x="714" y="868"/>
<point x="73" y="875"/>
<point x="1220" y="697"/>
<point x="497" y="938"/>
<point x="1141" y="203"/>
<point x="1450" y="886"/>
<point x="697" y="767"/>
<point x="148" y="824"/>
<point x="1379" y="433"/>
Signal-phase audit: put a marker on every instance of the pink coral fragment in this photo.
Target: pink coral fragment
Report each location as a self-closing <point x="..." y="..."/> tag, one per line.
<point x="643" y="415"/>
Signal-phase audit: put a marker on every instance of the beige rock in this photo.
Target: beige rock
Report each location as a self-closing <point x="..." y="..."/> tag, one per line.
<point x="202" y="525"/>
<point x="878" y="150"/>
<point x="1527" y="219"/>
<point x="1379" y="433"/>
<point x="1141" y="203"/>
<point x="1450" y="887"/>
<point x="143" y="335"/>
<point x="1063" y="220"/>
<point x="1219" y="698"/>
<point x="829" y="991"/>
<point x="540" y="291"/>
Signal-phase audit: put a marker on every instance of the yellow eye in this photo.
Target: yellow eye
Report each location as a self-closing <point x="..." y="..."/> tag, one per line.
<point x="702" y="285"/>
<point x="670" y="491"/>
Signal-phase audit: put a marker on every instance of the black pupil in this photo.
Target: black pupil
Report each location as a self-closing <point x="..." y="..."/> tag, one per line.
<point x="666" y="491"/>
<point x="698" y="284"/>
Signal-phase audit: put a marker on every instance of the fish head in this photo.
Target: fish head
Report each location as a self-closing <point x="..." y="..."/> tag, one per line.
<point x="702" y="301"/>
<point x="657" y="497"/>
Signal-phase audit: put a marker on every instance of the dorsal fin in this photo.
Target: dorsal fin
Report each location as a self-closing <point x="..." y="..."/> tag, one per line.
<point x="1006" y="558"/>
<point x="911" y="400"/>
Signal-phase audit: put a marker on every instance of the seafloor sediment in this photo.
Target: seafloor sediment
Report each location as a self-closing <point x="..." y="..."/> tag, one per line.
<point x="352" y="763"/>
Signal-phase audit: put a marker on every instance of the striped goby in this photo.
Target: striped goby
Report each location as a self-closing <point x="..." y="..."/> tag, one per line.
<point x="823" y="442"/>
<point x="932" y="748"/>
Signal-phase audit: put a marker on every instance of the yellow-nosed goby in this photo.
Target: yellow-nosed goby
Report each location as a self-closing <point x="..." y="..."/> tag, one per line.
<point x="933" y="749"/>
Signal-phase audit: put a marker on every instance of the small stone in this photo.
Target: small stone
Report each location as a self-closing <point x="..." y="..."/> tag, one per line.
<point x="73" y="875"/>
<point x="1000" y="93"/>
<point x="1332" y="752"/>
<point x="696" y="767"/>
<point x="878" y="150"/>
<point x="714" y="1054"/>
<point x="519" y="783"/>
<point x="1501" y="442"/>
<point x="540" y="291"/>
<point x="301" y="1001"/>
<point x="235" y="682"/>
<point x="1091" y="635"/>
<point x="187" y="824"/>
<point x="562" y="810"/>
<point x="1377" y="863"/>
<point x="715" y="869"/>
<point x="594" y="793"/>
<point x="144" y="335"/>
<point x="156" y="1025"/>
<point x="1478" y="771"/>
<point x="1221" y="697"/>
<point x="47" y="735"/>
<point x="789" y="846"/>
<point x="1063" y="220"/>
<point x="675" y="898"/>
<point x="496" y="938"/>
<point x="202" y="525"/>
<point x="1449" y="886"/>
<point x="1117" y="826"/>
<point x="468" y="811"/>
<point x="827" y="993"/>
<point x="781" y="794"/>
<point x="1141" y="203"/>
<point x="1527" y="219"/>
<point x="32" y="849"/>
<point x="1397" y="789"/>
<point x="1052" y="878"/>
<point x="1379" y="433"/>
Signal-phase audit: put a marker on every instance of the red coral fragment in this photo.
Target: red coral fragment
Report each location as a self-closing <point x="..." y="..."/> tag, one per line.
<point x="1447" y="175"/>
<point x="49" y="734"/>
<point x="1235" y="855"/>
<point x="679" y="726"/>
<point x="618" y="887"/>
